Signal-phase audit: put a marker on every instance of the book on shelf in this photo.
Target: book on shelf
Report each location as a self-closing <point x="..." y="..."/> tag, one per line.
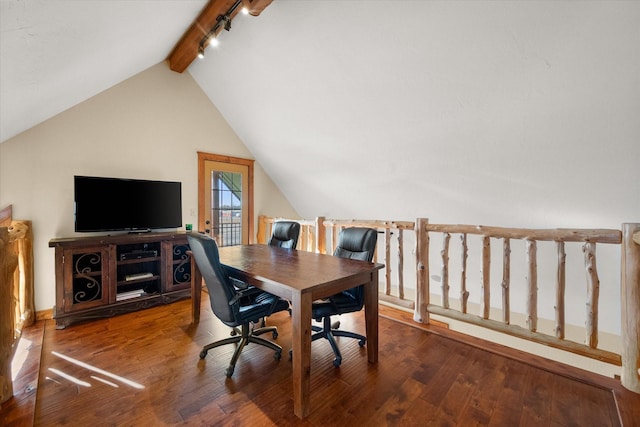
<point x="121" y="296"/>
<point x="137" y="276"/>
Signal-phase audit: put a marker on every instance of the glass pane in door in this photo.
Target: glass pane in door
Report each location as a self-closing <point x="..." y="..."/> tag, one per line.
<point x="226" y="208"/>
<point x="225" y="198"/>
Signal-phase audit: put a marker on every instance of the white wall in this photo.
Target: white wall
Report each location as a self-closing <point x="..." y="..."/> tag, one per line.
<point x="507" y="113"/>
<point x="149" y="126"/>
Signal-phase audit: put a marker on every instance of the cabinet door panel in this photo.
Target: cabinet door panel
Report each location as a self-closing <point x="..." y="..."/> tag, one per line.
<point x="178" y="266"/>
<point x="86" y="273"/>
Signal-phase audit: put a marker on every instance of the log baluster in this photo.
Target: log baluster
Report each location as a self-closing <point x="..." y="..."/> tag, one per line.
<point x="486" y="277"/>
<point x="421" y="314"/>
<point x="560" y="290"/>
<point x="593" y="294"/>
<point x="506" y="280"/>
<point x="464" y="293"/>
<point x="444" y="255"/>
<point x="400" y="264"/>
<point x="532" y="284"/>
<point x="387" y="260"/>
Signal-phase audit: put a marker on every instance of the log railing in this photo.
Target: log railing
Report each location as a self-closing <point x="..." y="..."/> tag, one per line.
<point x="320" y="236"/>
<point x="17" y="306"/>
<point x="311" y="232"/>
<point x="589" y="239"/>
<point x="394" y="283"/>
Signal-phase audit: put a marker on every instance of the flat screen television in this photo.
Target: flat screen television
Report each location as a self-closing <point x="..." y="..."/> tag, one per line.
<point x="110" y="204"/>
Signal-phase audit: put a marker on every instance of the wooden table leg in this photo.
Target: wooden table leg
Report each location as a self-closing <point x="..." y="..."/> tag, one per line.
<point x="371" y="316"/>
<point x="301" y="337"/>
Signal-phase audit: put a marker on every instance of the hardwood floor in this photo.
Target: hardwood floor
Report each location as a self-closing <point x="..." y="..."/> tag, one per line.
<point x="143" y="369"/>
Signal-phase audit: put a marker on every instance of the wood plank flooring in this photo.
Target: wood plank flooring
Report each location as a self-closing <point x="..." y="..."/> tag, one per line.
<point x="143" y="369"/>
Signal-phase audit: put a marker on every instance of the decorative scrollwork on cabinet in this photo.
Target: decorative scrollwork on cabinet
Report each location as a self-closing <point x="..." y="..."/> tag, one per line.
<point x="181" y="265"/>
<point x="87" y="284"/>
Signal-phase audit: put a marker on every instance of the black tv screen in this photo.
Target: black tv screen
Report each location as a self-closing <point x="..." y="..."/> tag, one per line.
<point x="109" y="204"/>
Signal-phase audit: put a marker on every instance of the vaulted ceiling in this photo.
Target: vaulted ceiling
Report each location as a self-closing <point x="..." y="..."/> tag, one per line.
<point x="58" y="53"/>
<point x="433" y="106"/>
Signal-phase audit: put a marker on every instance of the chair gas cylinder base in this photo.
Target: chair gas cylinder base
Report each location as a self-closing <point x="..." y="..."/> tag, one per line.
<point x="246" y="336"/>
<point x="330" y="331"/>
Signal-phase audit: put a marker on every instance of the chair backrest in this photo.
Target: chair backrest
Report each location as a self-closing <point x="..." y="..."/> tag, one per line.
<point x="357" y="243"/>
<point x="285" y="234"/>
<point x="205" y="253"/>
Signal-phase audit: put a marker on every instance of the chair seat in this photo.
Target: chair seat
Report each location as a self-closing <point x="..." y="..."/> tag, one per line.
<point x="338" y="304"/>
<point x="262" y="305"/>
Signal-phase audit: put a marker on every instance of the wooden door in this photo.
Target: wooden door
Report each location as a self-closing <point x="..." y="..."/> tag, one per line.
<point x="225" y="199"/>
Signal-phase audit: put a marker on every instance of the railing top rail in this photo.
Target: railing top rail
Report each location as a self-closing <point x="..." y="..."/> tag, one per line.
<point x="270" y="220"/>
<point x="405" y="225"/>
<point x="557" y="234"/>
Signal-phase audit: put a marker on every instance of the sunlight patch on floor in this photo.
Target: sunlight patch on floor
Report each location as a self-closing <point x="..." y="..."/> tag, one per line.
<point x="70" y="377"/>
<point x="20" y="357"/>
<point x="100" y="371"/>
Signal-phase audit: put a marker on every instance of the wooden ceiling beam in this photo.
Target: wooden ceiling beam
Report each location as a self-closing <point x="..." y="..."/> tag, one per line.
<point x="255" y="7"/>
<point x="186" y="51"/>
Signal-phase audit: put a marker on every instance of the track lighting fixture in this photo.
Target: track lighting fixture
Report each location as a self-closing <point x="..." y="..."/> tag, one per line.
<point x="226" y="21"/>
<point x="222" y="22"/>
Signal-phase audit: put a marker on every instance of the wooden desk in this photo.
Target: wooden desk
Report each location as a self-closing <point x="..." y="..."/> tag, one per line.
<point x="301" y="277"/>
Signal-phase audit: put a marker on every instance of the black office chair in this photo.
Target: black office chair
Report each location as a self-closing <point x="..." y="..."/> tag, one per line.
<point x="285" y="234"/>
<point x="355" y="243"/>
<point x="233" y="306"/>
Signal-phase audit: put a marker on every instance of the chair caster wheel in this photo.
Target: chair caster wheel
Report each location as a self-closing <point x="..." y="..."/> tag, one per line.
<point x="278" y="355"/>
<point x="233" y="333"/>
<point x="275" y="334"/>
<point x="229" y="371"/>
<point x="362" y="342"/>
<point x="337" y="362"/>
<point x="203" y="354"/>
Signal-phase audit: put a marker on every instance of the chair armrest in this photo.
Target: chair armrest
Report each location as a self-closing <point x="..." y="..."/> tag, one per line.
<point x="239" y="284"/>
<point x="241" y="293"/>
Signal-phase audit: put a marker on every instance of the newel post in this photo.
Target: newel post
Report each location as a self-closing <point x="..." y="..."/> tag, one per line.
<point x="261" y="234"/>
<point x="421" y="314"/>
<point x="321" y="236"/>
<point x="8" y="264"/>
<point x="630" y="304"/>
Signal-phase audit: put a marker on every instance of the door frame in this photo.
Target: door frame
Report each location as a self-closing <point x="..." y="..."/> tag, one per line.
<point x="202" y="158"/>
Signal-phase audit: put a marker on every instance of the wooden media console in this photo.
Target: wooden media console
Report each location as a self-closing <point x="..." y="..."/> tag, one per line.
<point x="103" y="276"/>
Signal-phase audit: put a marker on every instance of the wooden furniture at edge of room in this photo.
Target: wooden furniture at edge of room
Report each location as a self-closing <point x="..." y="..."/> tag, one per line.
<point x="103" y="276"/>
